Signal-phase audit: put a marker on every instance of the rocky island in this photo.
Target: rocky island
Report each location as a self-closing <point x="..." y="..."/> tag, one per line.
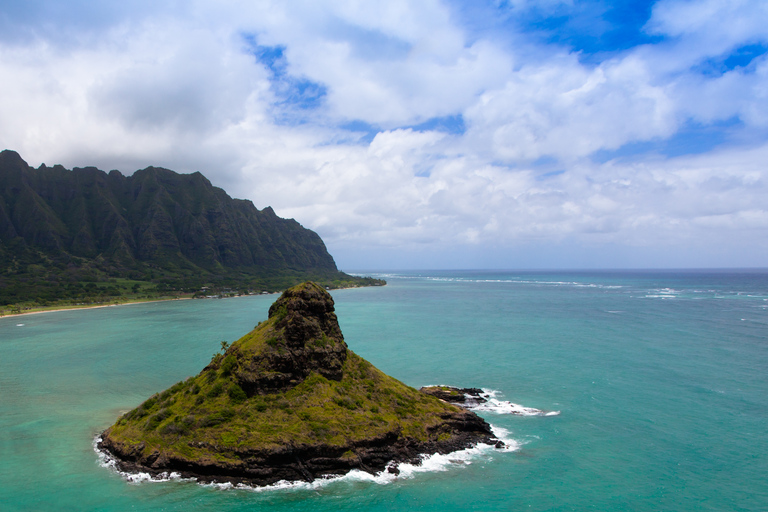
<point x="289" y="401"/>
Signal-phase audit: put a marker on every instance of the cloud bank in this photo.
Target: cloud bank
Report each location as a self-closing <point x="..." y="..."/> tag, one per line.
<point x="422" y="134"/>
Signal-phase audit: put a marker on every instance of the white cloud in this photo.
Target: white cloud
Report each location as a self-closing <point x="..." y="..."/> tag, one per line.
<point x="153" y="93"/>
<point x="392" y="65"/>
<point x="183" y="92"/>
<point x="721" y="24"/>
<point x="565" y="109"/>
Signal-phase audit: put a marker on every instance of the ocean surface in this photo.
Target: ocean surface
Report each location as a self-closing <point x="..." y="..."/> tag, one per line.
<point x="660" y="379"/>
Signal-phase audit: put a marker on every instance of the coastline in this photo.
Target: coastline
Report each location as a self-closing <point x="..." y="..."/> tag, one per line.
<point x="128" y="303"/>
<point x="388" y="463"/>
<point x="94" y="306"/>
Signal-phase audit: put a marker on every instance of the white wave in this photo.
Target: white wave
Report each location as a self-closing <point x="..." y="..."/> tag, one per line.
<point x="19" y="325"/>
<point x="429" y="464"/>
<point x="493" y="404"/>
<point x="662" y="293"/>
<point x="106" y="460"/>
<point x="512" y="280"/>
<point x="504" y="435"/>
<point x="138" y="478"/>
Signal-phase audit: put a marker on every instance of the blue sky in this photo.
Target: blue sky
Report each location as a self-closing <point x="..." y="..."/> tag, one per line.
<point x="423" y="134"/>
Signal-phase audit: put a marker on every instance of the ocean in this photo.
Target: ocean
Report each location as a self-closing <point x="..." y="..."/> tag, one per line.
<point x="656" y="383"/>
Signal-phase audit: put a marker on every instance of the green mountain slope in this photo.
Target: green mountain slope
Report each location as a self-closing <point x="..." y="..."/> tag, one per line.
<point x="288" y="401"/>
<point x="59" y="226"/>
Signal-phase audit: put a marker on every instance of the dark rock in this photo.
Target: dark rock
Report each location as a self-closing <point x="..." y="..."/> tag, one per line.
<point x="307" y="329"/>
<point x="454" y="395"/>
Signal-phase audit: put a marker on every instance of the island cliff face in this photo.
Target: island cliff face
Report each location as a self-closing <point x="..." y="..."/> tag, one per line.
<point x="288" y="401"/>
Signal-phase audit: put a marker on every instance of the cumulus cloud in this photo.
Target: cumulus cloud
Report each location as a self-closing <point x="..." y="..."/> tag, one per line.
<point x="524" y="167"/>
<point x="565" y="109"/>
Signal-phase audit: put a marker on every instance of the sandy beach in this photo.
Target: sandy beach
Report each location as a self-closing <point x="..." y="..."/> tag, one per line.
<point x="94" y="306"/>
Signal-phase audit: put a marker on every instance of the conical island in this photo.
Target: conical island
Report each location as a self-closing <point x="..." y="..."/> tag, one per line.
<point x="288" y="401"/>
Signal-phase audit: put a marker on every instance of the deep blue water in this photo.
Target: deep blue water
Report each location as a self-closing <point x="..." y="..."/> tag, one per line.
<point x="659" y="377"/>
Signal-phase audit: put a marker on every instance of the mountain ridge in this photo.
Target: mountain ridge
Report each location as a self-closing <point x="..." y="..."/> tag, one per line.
<point x="155" y="225"/>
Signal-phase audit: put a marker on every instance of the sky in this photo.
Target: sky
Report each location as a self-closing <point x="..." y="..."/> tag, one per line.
<point x="506" y="134"/>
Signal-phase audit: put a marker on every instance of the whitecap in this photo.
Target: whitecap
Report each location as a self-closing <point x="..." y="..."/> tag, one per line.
<point x="494" y="405"/>
<point x="512" y="280"/>
<point x="106" y="460"/>
<point x="662" y="293"/>
<point x="19" y="325"/>
<point x="434" y="463"/>
<point x="505" y="436"/>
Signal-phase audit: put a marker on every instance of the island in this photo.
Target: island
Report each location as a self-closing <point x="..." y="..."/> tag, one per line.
<point x="289" y="402"/>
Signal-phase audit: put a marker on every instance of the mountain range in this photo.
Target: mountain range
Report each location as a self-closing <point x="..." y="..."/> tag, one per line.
<point x="60" y="227"/>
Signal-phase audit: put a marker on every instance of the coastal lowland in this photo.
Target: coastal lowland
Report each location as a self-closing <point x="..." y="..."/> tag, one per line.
<point x="84" y="237"/>
<point x="289" y="402"/>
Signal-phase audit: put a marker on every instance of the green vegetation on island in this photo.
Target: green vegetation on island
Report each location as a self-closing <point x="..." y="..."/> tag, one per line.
<point x="288" y="401"/>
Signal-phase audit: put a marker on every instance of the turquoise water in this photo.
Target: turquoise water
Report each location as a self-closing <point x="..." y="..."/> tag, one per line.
<point x="660" y="378"/>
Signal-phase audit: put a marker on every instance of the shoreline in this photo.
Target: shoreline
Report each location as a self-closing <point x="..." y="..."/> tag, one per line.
<point x="95" y="306"/>
<point x="392" y="470"/>
<point x="128" y="303"/>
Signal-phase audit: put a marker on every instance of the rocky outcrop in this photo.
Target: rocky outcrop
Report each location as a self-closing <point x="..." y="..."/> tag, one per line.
<point x="289" y="401"/>
<point x="307" y="329"/>
<point x="459" y="396"/>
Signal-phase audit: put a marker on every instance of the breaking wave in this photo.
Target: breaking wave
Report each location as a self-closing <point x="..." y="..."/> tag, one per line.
<point x="106" y="460"/>
<point x="512" y="280"/>
<point x="492" y="404"/>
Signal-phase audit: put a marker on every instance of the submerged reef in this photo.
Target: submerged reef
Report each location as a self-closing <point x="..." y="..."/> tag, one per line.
<point x="289" y="401"/>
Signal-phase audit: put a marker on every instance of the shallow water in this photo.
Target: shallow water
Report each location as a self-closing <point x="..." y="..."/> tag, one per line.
<point x="659" y="378"/>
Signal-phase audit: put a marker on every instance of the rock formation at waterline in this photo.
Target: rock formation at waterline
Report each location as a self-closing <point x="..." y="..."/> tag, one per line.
<point x="288" y="401"/>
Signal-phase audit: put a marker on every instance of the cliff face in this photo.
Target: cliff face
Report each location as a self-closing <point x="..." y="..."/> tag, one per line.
<point x="155" y="217"/>
<point x="310" y="340"/>
<point x="288" y="401"/>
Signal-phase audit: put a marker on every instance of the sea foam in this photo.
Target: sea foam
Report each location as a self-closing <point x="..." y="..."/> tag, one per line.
<point x="106" y="460"/>
<point x="487" y="401"/>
